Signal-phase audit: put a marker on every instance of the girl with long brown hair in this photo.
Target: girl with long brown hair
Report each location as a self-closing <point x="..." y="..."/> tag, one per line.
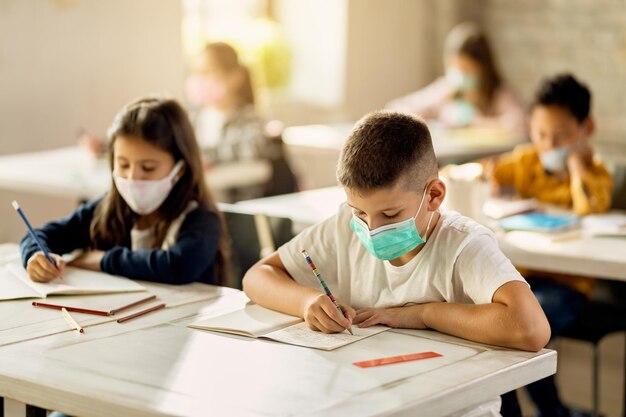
<point x="158" y="222"/>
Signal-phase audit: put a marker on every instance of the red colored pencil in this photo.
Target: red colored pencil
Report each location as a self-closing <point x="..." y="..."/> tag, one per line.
<point x="141" y="313"/>
<point x="75" y="309"/>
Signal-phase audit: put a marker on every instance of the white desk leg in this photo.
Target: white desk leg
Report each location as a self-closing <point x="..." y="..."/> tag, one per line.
<point x="14" y="408"/>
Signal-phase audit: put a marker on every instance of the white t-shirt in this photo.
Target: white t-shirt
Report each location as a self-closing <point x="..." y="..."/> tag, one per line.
<point x="460" y="263"/>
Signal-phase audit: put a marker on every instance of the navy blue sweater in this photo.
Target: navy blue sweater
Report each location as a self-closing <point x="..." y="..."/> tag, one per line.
<point x="191" y="259"/>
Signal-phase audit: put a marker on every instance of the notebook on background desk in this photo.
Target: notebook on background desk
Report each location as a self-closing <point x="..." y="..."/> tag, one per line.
<point x="605" y="225"/>
<point x="15" y="283"/>
<point x="262" y="323"/>
<point x="540" y="222"/>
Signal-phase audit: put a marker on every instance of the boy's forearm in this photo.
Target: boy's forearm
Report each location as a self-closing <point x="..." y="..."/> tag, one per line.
<point x="271" y="287"/>
<point x="492" y="323"/>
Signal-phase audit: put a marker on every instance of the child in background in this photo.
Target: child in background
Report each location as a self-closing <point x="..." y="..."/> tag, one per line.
<point x="559" y="167"/>
<point x="157" y="223"/>
<point x="390" y="257"/>
<point x="472" y="92"/>
<point x="227" y="125"/>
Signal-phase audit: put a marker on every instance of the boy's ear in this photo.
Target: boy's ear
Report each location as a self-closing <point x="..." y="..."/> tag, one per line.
<point x="589" y="124"/>
<point x="437" y="193"/>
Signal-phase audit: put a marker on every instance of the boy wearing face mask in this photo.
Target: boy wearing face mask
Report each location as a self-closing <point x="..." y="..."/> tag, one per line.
<point x="391" y="257"/>
<point x="559" y="167"/>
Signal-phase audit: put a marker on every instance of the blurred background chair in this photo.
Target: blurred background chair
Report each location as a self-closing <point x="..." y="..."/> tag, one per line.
<point x="282" y="180"/>
<point x="252" y="236"/>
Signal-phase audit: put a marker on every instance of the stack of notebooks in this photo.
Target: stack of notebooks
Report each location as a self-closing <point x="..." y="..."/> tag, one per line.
<point x="521" y="214"/>
<point x="540" y="222"/>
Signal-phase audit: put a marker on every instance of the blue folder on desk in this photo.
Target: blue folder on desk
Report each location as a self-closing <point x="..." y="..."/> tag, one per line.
<point x="540" y="222"/>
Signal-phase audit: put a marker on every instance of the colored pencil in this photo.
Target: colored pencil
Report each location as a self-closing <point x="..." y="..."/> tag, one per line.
<point x="141" y="313"/>
<point x="321" y="281"/>
<point x="74" y="309"/>
<point x="32" y="233"/>
<point x="133" y="304"/>
<point x="71" y="320"/>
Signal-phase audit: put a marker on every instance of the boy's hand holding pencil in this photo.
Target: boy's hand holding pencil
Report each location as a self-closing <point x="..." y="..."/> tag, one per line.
<point x="321" y="314"/>
<point x="333" y="317"/>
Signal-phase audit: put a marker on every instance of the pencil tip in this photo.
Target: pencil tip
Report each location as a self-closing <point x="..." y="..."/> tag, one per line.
<point x="15" y="205"/>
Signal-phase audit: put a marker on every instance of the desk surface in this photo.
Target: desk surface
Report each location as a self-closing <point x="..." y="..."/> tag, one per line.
<point x="72" y="173"/>
<point x="585" y="255"/>
<point x="156" y="366"/>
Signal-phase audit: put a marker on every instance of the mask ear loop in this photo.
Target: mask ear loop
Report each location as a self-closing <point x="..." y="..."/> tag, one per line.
<point x="428" y="225"/>
<point x="429" y="218"/>
<point x="176" y="170"/>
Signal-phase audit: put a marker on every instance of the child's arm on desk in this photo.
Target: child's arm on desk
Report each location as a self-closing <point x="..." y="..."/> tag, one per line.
<point x="514" y="319"/>
<point x="590" y="183"/>
<point x="269" y="284"/>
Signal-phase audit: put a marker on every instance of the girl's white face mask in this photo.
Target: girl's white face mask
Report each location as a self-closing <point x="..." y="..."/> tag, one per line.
<point x="145" y="196"/>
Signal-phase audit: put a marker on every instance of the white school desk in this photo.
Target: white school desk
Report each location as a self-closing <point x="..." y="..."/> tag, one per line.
<point x="314" y="149"/>
<point x="156" y="366"/>
<point x="72" y="173"/>
<point x="588" y="256"/>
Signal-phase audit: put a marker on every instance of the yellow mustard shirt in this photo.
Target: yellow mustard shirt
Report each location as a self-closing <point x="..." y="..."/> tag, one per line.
<point x="591" y="193"/>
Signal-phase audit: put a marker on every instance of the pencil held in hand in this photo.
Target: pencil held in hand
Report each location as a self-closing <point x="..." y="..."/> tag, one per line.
<point x="32" y="233"/>
<point x="321" y="281"/>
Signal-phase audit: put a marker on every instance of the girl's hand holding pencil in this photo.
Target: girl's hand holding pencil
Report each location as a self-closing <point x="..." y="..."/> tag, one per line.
<point x="40" y="269"/>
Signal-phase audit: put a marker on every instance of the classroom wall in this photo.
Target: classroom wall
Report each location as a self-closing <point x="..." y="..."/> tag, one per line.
<point x="538" y="38"/>
<point x="67" y="64"/>
<point x="378" y="50"/>
<point x="395" y="47"/>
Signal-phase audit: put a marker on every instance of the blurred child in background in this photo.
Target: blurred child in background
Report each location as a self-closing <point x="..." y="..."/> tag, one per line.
<point x="472" y="92"/>
<point x="227" y="125"/>
<point x="558" y="167"/>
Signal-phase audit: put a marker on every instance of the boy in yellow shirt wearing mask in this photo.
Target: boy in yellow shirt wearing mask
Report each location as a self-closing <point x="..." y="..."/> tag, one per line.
<point x="558" y="167"/>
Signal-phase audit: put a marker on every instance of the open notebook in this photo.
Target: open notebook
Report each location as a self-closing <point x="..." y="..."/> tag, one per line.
<point x="260" y="322"/>
<point x="14" y="283"/>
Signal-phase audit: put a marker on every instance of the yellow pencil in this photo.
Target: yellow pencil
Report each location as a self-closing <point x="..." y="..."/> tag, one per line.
<point x="71" y="320"/>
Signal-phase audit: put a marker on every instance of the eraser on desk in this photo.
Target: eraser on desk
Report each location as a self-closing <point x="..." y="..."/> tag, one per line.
<point x="396" y="359"/>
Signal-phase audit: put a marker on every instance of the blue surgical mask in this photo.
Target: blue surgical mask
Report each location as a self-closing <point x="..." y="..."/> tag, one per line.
<point x="391" y="240"/>
<point x="460" y="80"/>
<point x="461" y="113"/>
<point x="555" y="160"/>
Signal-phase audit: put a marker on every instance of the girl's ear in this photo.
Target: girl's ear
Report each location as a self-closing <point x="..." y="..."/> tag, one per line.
<point x="436" y="194"/>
